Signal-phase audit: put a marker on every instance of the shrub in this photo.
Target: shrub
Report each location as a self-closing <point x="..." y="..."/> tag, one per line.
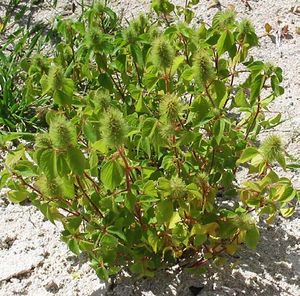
<point x="146" y="138"/>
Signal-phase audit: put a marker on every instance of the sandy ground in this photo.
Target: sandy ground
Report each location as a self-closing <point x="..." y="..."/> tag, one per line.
<point x="34" y="262"/>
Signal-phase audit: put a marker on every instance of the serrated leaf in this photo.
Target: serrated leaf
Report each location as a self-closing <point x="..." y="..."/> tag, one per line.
<point x="76" y="160"/>
<point x="112" y="174"/>
<point x="164" y="211"/>
<point x="47" y="163"/>
<point x="150" y="189"/>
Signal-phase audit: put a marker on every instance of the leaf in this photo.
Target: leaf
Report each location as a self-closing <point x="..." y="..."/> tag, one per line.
<point x="219" y="128"/>
<point x="240" y="99"/>
<point x="86" y="246"/>
<point x="247" y="155"/>
<point x="73" y="223"/>
<point x="176" y="63"/>
<point x="252" y="237"/>
<point x="164" y="211"/>
<point x="140" y="106"/>
<point x="73" y="246"/>
<point x="187" y="75"/>
<point x="287" y="212"/>
<point x="100" y="146"/>
<point x="256" y="87"/>
<point x="150" y="81"/>
<point x="225" y="42"/>
<point x="76" y="160"/>
<point x="14" y="156"/>
<point x="174" y="220"/>
<point x="102" y="273"/>
<point x="221" y="92"/>
<point x="112" y="174"/>
<point x="62" y="98"/>
<point x="47" y="163"/>
<point x="201" y="108"/>
<point x="268" y="28"/>
<point x="90" y="132"/>
<point x="200" y="239"/>
<point x="153" y="240"/>
<point x="17" y="196"/>
<point x="114" y="230"/>
<point x="150" y="189"/>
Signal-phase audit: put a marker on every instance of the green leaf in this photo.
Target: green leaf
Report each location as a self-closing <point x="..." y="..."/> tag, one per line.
<point x="90" y="132"/>
<point x="140" y="106"/>
<point x="18" y="196"/>
<point x="287" y="212"/>
<point x="240" y="99"/>
<point x="219" y="128"/>
<point x="14" y="156"/>
<point x="225" y="42"/>
<point x="248" y="154"/>
<point x="164" y="211"/>
<point x="150" y="189"/>
<point x="252" y="237"/>
<point x="76" y="160"/>
<point x="153" y="240"/>
<point x="174" y="220"/>
<point x="73" y="246"/>
<point x="112" y="174"/>
<point x="86" y="246"/>
<point x="102" y="273"/>
<point x="201" y="108"/>
<point x="150" y="81"/>
<point x="62" y="98"/>
<point x="100" y="146"/>
<point x="47" y="163"/>
<point x="176" y="63"/>
<point x="73" y="223"/>
<point x="281" y="160"/>
<point x="114" y="230"/>
<point x="221" y="92"/>
<point x="200" y="239"/>
<point x="256" y="87"/>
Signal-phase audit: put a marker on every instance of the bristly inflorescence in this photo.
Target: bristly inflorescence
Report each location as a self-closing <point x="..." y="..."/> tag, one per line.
<point x="203" y="67"/>
<point x="178" y="187"/>
<point x="272" y="148"/>
<point x="170" y="107"/>
<point x="100" y="99"/>
<point x="56" y="77"/>
<point x="50" y="187"/>
<point x="114" y="128"/>
<point x="224" y="20"/>
<point x="43" y="141"/>
<point x="62" y="133"/>
<point x="162" y="53"/>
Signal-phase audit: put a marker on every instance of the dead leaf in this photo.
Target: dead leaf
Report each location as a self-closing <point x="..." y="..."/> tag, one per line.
<point x="298" y="30"/>
<point x="214" y="4"/>
<point x="285" y="30"/>
<point x="285" y="33"/>
<point x="268" y="28"/>
<point x="231" y="7"/>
